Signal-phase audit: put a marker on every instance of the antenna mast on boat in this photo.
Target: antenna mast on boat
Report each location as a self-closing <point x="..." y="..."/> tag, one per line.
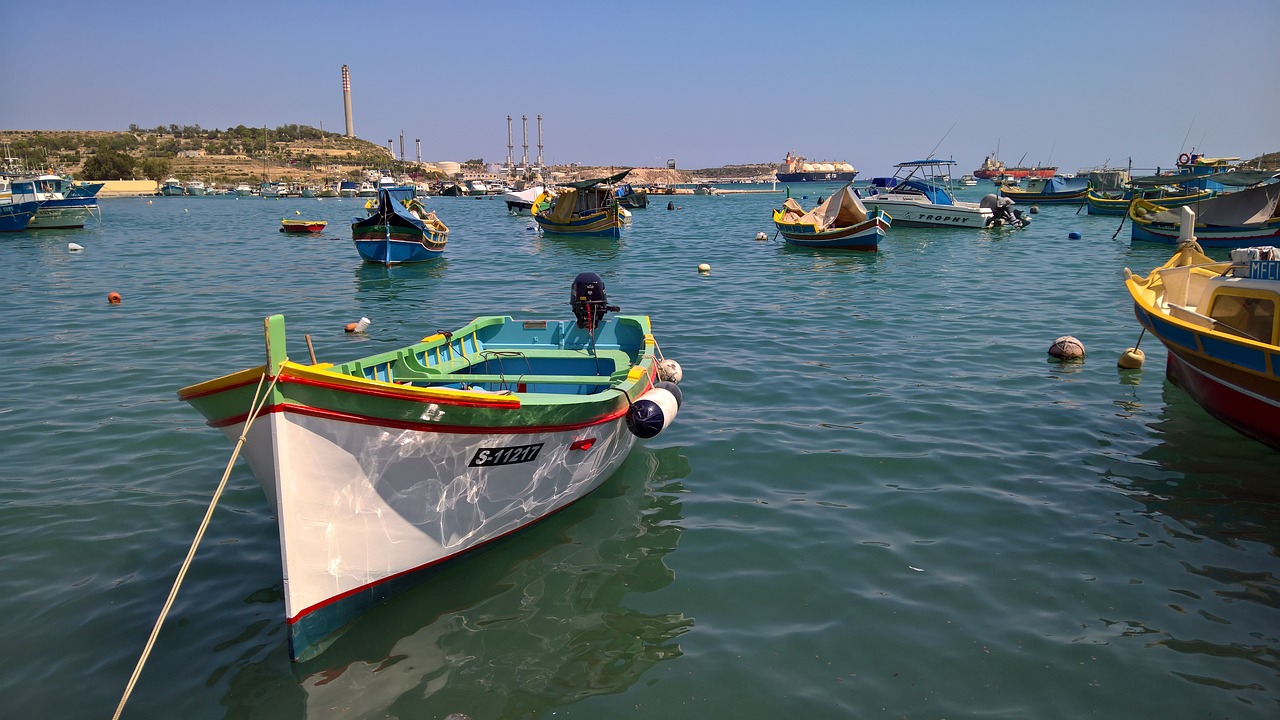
<point x="944" y="137"/>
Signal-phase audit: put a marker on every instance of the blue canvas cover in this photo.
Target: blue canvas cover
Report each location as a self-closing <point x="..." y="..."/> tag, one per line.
<point x="1055" y="185"/>
<point x="391" y="209"/>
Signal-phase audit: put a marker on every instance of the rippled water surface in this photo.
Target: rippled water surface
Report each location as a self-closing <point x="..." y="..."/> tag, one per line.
<point x="880" y="499"/>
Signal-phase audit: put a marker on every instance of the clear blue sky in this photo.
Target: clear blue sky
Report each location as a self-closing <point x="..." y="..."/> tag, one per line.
<point x="708" y="83"/>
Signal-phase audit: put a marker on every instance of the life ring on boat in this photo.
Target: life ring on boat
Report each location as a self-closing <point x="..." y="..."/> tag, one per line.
<point x="1184" y="159"/>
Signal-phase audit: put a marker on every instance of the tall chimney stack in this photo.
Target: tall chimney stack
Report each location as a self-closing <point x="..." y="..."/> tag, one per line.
<point x="419" y="142"/>
<point x="524" y="126"/>
<point x="401" y="146"/>
<point x="510" y="149"/>
<point x="539" y="140"/>
<point x="346" y="100"/>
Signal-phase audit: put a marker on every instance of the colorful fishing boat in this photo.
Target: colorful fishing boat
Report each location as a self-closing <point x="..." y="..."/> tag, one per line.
<point x="841" y="221"/>
<point x="1220" y="322"/>
<point x="399" y="229"/>
<point x="1238" y="219"/>
<point x="1102" y="202"/>
<point x="917" y="196"/>
<point x="302" y="226"/>
<point x="586" y="207"/>
<point x="379" y="470"/>
<point x="1049" y="191"/>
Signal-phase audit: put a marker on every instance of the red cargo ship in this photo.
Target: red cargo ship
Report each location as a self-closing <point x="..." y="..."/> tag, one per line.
<point x="993" y="168"/>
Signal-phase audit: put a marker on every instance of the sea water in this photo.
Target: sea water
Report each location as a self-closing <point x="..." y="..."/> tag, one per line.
<point x="881" y="498"/>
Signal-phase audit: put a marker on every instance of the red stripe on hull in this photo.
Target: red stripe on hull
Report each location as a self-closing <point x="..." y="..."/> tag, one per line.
<point x="1247" y="413"/>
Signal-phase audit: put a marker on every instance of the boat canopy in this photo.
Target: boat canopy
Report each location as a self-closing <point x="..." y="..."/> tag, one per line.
<point x="936" y="193"/>
<point x="842" y="209"/>
<point x="393" y="202"/>
<point x="925" y="163"/>
<point x="1235" y="178"/>
<point x="584" y="184"/>
<point x="1254" y="206"/>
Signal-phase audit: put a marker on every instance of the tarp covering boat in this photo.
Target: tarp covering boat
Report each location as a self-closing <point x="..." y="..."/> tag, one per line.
<point x="1057" y="184"/>
<point x="1253" y="206"/>
<point x="842" y="209"/>
<point x="584" y="184"/>
<point x="1235" y="178"/>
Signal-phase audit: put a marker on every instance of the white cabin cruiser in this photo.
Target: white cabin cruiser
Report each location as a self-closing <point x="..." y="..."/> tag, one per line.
<point x="917" y="196"/>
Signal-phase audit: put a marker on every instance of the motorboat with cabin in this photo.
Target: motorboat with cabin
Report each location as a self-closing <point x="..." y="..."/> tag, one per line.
<point x="917" y="196"/>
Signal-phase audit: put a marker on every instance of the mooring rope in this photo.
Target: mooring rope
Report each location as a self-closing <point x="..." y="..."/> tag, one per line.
<point x="254" y="408"/>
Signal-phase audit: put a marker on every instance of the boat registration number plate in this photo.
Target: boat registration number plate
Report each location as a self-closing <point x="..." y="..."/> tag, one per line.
<point x="489" y="457"/>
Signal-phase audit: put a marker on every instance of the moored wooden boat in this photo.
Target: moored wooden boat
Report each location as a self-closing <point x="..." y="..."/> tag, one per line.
<point x="1049" y="191"/>
<point x="302" y="226"/>
<point x="586" y="207"/>
<point x="841" y="222"/>
<point x="1101" y="202"/>
<point x="1238" y="219"/>
<point x="380" y="469"/>
<point x="399" y="229"/>
<point x="1220" y="322"/>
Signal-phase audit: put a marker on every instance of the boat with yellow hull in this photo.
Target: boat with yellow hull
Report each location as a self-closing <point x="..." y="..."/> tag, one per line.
<point x="1220" y="321"/>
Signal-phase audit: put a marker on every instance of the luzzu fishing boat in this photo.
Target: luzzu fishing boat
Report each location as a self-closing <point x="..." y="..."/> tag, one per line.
<point x="399" y="229"/>
<point x="1103" y="202"/>
<point x="1238" y="219"/>
<point x="380" y="469"/>
<point x="586" y="207"/>
<point x="18" y="204"/>
<point x="1220" y="322"/>
<point x="841" y="221"/>
<point x="1049" y="191"/>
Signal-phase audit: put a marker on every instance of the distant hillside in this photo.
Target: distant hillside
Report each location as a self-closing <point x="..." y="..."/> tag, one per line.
<point x="289" y="152"/>
<point x="1270" y="161"/>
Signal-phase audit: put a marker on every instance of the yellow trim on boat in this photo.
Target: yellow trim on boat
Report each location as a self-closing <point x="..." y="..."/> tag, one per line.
<point x="348" y="381"/>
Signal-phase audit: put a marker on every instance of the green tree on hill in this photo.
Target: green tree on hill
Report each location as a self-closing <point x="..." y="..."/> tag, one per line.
<point x="155" y="169"/>
<point x="108" y="165"/>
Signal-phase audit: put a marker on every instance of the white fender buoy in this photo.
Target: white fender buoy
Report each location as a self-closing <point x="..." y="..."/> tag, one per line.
<point x="761" y="235"/>
<point x="1067" y="348"/>
<point x="704" y="268"/>
<point x="669" y="370"/>
<point x="74" y="247"/>
<point x="1131" y="359"/>
<point x="652" y="412"/>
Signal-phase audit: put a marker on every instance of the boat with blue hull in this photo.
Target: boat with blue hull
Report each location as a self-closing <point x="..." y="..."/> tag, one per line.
<point x="1220" y="322"/>
<point x="399" y="229"/>
<point x="380" y="470"/>
<point x="584" y="208"/>
<point x="18" y="204"/>
<point x="58" y="209"/>
<point x="1243" y="218"/>
<point x="840" y="222"/>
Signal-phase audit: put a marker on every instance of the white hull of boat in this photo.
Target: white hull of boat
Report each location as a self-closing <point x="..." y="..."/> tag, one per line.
<point x="358" y="504"/>
<point x="907" y="212"/>
<point x="54" y="218"/>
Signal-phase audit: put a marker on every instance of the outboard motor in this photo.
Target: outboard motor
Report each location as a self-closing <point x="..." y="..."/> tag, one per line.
<point x="589" y="301"/>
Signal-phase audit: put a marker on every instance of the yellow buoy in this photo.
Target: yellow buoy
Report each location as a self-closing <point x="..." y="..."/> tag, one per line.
<point x="1131" y="359"/>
